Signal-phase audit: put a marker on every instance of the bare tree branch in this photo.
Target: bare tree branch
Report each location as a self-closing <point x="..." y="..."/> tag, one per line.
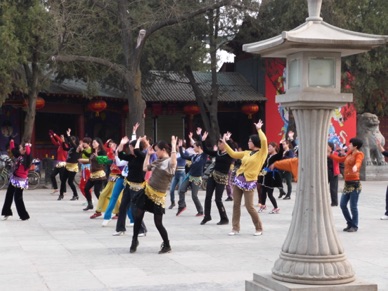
<point x="121" y="70"/>
<point x="170" y="21"/>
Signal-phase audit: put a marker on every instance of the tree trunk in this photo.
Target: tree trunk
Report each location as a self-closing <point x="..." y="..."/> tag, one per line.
<point x="136" y="104"/>
<point x="29" y="120"/>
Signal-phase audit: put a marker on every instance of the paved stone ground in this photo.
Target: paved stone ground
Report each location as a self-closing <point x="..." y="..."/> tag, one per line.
<point x="60" y="248"/>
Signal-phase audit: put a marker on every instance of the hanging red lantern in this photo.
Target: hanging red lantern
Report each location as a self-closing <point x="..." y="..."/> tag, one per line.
<point x="97" y="106"/>
<point x="40" y="103"/>
<point x="250" y="109"/>
<point x="191" y="109"/>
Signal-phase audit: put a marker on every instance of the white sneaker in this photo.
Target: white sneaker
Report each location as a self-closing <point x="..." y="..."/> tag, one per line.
<point x="385" y="217"/>
<point x="5" y="217"/>
<point x="233" y="232"/>
<point x="258" y="233"/>
<point x="119" y="233"/>
<point x="141" y="234"/>
<point x="105" y="222"/>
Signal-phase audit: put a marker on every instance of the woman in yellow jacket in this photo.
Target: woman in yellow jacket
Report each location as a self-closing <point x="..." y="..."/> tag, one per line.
<point x="245" y="181"/>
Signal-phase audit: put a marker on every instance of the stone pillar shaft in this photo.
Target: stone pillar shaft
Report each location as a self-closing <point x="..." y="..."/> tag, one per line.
<point x="312" y="252"/>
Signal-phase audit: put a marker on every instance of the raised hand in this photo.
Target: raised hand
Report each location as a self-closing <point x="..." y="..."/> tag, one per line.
<point x="150" y="150"/>
<point x="204" y="136"/>
<point x="199" y="131"/>
<point x="124" y="140"/>
<point x="291" y="135"/>
<point x="190" y="135"/>
<point x="180" y="143"/>
<point x="173" y="140"/>
<point x="68" y="131"/>
<point x="259" y="124"/>
<point x="135" y="127"/>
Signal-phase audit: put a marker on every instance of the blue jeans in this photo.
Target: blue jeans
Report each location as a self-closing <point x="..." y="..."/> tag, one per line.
<point x="176" y="180"/>
<point x="351" y="220"/>
<point x="117" y="188"/>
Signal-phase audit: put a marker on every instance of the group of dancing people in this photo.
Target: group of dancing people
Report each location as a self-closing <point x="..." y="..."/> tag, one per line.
<point x="133" y="177"/>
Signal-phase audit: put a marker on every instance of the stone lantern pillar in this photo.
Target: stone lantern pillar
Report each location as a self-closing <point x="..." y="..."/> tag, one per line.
<point x="312" y="253"/>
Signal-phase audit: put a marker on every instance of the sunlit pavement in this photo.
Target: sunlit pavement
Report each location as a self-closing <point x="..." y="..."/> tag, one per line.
<point x="61" y="248"/>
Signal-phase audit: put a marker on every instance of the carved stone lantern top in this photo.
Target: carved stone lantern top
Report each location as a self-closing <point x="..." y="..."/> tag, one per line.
<point x="316" y="35"/>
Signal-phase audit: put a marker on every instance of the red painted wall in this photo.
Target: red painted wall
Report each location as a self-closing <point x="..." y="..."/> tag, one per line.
<point x="343" y="124"/>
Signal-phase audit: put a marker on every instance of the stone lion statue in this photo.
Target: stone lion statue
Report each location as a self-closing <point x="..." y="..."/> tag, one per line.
<point x="368" y="130"/>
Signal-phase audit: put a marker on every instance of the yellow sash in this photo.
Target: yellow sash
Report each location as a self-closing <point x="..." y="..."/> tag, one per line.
<point x="72" y="167"/>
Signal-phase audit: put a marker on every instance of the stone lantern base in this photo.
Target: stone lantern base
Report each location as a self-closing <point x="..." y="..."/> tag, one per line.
<point x="264" y="282"/>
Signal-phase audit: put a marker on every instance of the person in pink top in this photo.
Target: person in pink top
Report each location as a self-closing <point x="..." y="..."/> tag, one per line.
<point x="18" y="181"/>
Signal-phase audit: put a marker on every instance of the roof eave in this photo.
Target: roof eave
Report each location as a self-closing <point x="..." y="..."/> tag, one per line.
<point x="343" y="41"/>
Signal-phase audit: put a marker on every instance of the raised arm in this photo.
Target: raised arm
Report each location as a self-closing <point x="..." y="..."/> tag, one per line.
<point x="235" y="155"/>
<point x="173" y="161"/>
<point x="263" y="140"/>
<point x="146" y="163"/>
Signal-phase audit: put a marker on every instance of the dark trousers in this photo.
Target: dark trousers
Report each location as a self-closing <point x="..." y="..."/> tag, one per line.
<point x="268" y="191"/>
<point x="124" y="207"/>
<point x="386" y="202"/>
<point x="333" y="185"/>
<point x="219" y="189"/>
<point x="54" y="173"/>
<point x="97" y="184"/>
<point x="69" y="177"/>
<point x="287" y="176"/>
<point x="14" y="193"/>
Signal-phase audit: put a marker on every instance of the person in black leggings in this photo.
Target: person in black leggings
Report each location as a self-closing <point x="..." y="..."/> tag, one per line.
<point x="217" y="180"/>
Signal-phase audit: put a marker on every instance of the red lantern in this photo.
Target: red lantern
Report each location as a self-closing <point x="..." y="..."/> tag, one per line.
<point x="191" y="109"/>
<point x="40" y="103"/>
<point x="97" y="106"/>
<point x="250" y="109"/>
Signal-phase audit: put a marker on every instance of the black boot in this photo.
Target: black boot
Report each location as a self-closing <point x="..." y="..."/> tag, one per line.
<point x="165" y="248"/>
<point x="205" y="219"/>
<point x="89" y="206"/>
<point x="134" y="245"/>
<point x="223" y="216"/>
<point x="60" y="197"/>
<point x="74" y="198"/>
<point x="282" y="193"/>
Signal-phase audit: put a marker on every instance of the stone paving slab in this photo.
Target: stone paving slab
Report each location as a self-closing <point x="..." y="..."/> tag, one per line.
<point x="60" y="248"/>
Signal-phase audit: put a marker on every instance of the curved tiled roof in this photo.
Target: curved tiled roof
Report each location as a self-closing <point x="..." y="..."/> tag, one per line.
<point x="174" y="87"/>
<point x="171" y="87"/>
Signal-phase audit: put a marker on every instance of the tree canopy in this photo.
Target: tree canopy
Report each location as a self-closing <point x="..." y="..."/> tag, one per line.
<point x="368" y="71"/>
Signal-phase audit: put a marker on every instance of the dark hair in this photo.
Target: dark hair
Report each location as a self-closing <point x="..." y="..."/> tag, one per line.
<point x="74" y="139"/>
<point x="198" y="143"/>
<point x="141" y="145"/>
<point x="231" y="144"/>
<point x="100" y="143"/>
<point x="163" y="145"/>
<point x="275" y="145"/>
<point x="289" y="143"/>
<point x="356" y="142"/>
<point x="331" y="145"/>
<point x="255" y="140"/>
<point x="87" y="140"/>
